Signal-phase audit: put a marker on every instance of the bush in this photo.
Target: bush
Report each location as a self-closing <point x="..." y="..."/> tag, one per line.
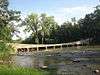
<point x="5" y="52"/>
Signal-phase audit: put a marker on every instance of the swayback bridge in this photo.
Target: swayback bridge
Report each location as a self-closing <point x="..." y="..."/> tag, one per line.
<point x="31" y="48"/>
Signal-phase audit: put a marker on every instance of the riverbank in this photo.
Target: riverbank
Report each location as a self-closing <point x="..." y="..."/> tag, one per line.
<point x="14" y="70"/>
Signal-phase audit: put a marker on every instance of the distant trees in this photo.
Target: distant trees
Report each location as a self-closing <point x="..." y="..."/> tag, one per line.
<point x="48" y="31"/>
<point x="97" y="24"/>
<point x="68" y="32"/>
<point x="90" y="26"/>
<point x="44" y="29"/>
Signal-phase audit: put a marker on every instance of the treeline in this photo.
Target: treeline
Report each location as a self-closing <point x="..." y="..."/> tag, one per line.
<point x="46" y="30"/>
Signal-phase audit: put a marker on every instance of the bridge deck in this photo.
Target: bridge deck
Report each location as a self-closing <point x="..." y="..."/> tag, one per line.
<point x="44" y="47"/>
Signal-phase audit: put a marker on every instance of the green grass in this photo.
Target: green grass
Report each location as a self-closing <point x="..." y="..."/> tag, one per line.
<point x="8" y="70"/>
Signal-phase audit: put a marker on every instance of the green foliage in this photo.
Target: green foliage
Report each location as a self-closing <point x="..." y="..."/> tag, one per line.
<point x="32" y="24"/>
<point x="41" y="26"/>
<point x="29" y="40"/>
<point x="68" y="33"/>
<point x="6" y="29"/>
<point x="6" y="70"/>
<point x="5" y="34"/>
<point x="5" y="51"/>
<point x="48" y="25"/>
<point x="6" y="18"/>
<point x="48" y="31"/>
<point x="90" y="25"/>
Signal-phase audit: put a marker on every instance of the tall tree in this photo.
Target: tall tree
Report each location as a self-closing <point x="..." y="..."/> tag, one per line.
<point x="6" y="17"/>
<point x="41" y="27"/>
<point x="48" y="24"/>
<point x="90" y="25"/>
<point x="97" y="24"/>
<point x="32" y="24"/>
<point x="73" y="20"/>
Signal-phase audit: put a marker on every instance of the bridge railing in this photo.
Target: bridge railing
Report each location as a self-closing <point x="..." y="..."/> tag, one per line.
<point x="28" y="48"/>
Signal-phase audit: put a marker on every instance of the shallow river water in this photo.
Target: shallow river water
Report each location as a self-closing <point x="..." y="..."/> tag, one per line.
<point x="63" y="63"/>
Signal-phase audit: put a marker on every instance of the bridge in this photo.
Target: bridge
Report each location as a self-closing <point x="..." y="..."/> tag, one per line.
<point x="31" y="48"/>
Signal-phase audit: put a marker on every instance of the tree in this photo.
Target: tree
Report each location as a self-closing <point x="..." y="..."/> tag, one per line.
<point x="41" y="27"/>
<point x="32" y="24"/>
<point x="64" y="33"/>
<point x="73" y="20"/>
<point x="97" y="24"/>
<point x="87" y="27"/>
<point x="48" y="25"/>
<point x="90" y="25"/>
<point x="6" y="17"/>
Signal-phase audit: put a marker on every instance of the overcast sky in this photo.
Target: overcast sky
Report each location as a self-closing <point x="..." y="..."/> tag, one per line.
<point x="62" y="10"/>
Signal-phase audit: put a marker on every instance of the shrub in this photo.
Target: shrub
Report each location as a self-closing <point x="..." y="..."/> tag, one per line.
<point x="5" y="52"/>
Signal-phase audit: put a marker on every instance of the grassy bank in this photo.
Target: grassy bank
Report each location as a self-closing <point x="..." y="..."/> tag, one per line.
<point x="9" y="70"/>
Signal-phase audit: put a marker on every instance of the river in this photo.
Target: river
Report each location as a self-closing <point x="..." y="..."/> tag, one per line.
<point x="83" y="62"/>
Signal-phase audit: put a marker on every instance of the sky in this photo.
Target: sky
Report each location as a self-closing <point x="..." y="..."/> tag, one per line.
<point x="62" y="10"/>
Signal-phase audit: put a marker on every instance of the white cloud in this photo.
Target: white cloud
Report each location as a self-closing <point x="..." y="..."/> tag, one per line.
<point x="78" y="9"/>
<point x="63" y="14"/>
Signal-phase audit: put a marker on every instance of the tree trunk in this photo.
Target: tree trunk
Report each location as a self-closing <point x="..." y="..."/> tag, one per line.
<point x="37" y="40"/>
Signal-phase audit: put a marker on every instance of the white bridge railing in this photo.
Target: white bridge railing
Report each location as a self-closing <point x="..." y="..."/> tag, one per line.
<point x="29" y="48"/>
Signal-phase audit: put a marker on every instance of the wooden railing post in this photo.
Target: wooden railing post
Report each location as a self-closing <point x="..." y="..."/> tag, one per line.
<point x="61" y="46"/>
<point x="46" y="48"/>
<point x="37" y="48"/>
<point x="28" y="50"/>
<point x="54" y="47"/>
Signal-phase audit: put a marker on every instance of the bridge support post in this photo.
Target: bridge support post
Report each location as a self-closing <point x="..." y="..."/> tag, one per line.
<point x="37" y="48"/>
<point x="28" y="50"/>
<point x="54" y="48"/>
<point x="61" y="47"/>
<point x="46" y="48"/>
